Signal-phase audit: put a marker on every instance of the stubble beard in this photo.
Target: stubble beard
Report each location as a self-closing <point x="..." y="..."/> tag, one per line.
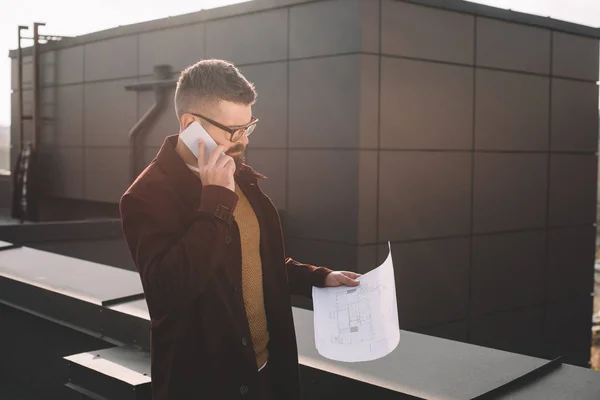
<point x="238" y="158"/>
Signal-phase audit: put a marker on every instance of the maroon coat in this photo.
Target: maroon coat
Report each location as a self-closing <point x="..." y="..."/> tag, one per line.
<point x="186" y="246"/>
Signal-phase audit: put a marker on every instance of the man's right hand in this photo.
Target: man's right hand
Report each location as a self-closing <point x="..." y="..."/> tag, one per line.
<point x="218" y="169"/>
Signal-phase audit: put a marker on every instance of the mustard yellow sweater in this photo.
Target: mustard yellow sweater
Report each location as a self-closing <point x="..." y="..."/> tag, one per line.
<point x="252" y="282"/>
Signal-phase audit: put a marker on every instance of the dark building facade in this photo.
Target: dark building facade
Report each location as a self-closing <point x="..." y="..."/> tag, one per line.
<point x="463" y="134"/>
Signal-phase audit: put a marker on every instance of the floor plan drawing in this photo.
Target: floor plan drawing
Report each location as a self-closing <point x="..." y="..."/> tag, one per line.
<point x="359" y="323"/>
<point x="353" y="315"/>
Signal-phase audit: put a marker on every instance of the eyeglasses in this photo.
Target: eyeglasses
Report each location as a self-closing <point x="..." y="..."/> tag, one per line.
<point x="236" y="132"/>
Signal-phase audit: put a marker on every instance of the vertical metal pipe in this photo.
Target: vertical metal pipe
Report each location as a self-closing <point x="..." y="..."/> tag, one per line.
<point x="20" y="88"/>
<point x="36" y="86"/>
<point x="161" y="72"/>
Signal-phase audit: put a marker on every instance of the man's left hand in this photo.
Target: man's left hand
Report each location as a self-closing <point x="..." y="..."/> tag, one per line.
<point x="339" y="278"/>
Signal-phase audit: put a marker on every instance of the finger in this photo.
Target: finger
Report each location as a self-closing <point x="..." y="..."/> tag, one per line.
<point x="347" y="281"/>
<point x="201" y="153"/>
<point x="224" y="160"/>
<point x="214" y="156"/>
<point x="231" y="167"/>
<point x="350" y="274"/>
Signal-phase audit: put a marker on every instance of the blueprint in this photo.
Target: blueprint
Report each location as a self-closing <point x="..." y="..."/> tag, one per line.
<point x="358" y="323"/>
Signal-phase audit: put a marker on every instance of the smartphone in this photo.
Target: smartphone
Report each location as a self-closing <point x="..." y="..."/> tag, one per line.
<point x="192" y="134"/>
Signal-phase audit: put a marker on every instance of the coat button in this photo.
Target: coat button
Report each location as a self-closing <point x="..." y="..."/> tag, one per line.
<point x="244" y="389"/>
<point x="244" y="341"/>
<point x="227" y="239"/>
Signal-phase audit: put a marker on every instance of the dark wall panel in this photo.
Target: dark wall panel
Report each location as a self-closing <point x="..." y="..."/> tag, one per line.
<point x="64" y="171"/>
<point x="322" y="194"/>
<point x="166" y="122"/>
<point x="571" y="254"/>
<point x="325" y="102"/>
<point x="451" y="331"/>
<point x="425" y="105"/>
<point x="111" y="58"/>
<point x="178" y="47"/>
<point x="106" y="177"/>
<point x="271" y="106"/>
<point x="70" y="65"/>
<point x="68" y="112"/>
<point x="573" y="180"/>
<point x="424" y="195"/>
<point x="512" y="46"/>
<point x="367" y="196"/>
<point x="574" y="116"/>
<point x="432" y="281"/>
<point x="507" y="271"/>
<point x="422" y="32"/>
<point x="333" y="27"/>
<point x="271" y="163"/>
<point x="575" y="56"/>
<point x="246" y="39"/>
<point x="567" y="330"/>
<point x="512" y="111"/>
<point x="517" y="331"/>
<point x="110" y="112"/>
<point x="510" y="191"/>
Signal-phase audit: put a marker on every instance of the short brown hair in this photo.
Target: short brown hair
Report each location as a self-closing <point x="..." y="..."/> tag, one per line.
<point x="209" y="81"/>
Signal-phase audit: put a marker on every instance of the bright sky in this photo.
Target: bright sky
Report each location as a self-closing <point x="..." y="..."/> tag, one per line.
<point x="76" y="17"/>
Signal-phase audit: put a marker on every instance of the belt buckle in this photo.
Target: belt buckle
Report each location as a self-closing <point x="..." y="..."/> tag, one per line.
<point x="224" y="213"/>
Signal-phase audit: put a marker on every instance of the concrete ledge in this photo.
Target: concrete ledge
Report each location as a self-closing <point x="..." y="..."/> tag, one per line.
<point x="421" y="367"/>
<point x="116" y="373"/>
<point x="66" y="290"/>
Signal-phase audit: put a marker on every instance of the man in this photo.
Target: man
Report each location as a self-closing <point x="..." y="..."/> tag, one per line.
<point x="208" y="246"/>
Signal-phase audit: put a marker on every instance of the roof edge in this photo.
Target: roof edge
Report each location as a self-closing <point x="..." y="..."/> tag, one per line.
<point x="231" y="10"/>
<point x="483" y="10"/>
<point x="255" y="6"/>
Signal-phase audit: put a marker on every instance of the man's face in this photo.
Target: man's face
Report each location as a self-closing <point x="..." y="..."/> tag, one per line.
<point x="230" y="115"/>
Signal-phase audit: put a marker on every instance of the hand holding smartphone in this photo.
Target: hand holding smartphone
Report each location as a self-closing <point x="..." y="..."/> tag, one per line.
<point x="192" y="134"/>
<point x="214" y="166"/>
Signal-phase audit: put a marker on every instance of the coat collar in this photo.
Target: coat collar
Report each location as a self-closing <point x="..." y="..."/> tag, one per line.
<point x="247" y="173"/>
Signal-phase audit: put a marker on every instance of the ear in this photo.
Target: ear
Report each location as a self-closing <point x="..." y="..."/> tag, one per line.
<point x="185" y="121"/>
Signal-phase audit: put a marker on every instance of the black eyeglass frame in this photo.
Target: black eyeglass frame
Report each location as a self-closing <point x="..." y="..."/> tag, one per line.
<point x="232" y="131"/>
